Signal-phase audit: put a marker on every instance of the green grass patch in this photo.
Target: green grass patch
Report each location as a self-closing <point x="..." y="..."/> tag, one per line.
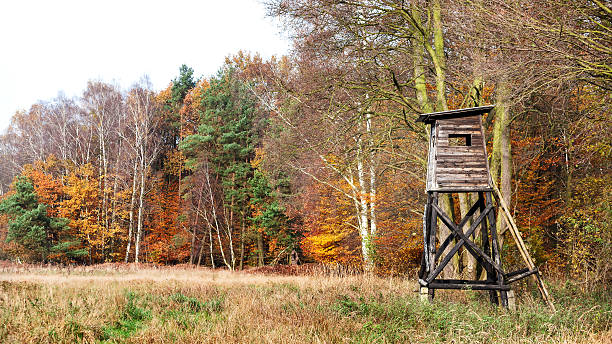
<point x="396" y="318"/>
<point x="193" y="305"/>
<point x="185" y="311"/>
<point x="132" y="319"/>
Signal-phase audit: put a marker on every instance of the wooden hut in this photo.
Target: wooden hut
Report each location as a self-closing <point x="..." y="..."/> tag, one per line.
<point x="457" y="163"/>
<point x="457" y="151"/>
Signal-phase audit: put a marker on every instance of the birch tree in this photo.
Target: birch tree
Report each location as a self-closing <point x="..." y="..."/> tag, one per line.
<point x="141" y="125"/>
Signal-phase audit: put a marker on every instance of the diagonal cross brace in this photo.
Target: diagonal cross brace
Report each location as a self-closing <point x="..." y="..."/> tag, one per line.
<point x="464" y="240"/>
<point x="449" y="238"/>
<point x="475" y="250"/>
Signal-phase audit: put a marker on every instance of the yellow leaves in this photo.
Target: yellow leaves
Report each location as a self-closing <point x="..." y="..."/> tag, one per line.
<point x="81" y="205"/>
<point x="191" y="108"/>
<point x="175" y="163"/>
<point x="165" y="94"/>
<point x="259" y="157"/>
<point x="330" y="236"/>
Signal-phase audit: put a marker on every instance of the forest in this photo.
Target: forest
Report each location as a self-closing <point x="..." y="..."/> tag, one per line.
<point x="315" y="157"/>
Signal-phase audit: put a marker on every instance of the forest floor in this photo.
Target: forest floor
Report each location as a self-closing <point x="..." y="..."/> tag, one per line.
<point x="147" y="304"/>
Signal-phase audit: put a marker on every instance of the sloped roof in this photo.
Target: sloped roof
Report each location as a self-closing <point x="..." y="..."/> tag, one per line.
<point x="433" y="116"/>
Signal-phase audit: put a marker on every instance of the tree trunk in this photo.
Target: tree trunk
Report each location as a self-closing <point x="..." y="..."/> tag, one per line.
<point x="373" y="223"/>
<point x="216" y="219"/>
<point x="195" y="230"/>
<point x="501" y="160"/>
<point x="260" y="249"/>
<point x="474" y="99"/>
<point x="362" y="213"/>
<point x="569" y="170"/>
<point x="104" y="208"/>
<point x="210" y="243"/>
<point x="132" y="201"/>
<point x="201" y="252"/>
<point x="438" y="57"/>
<point x="140" y="210"/>
<point x="506" y="174"/>
<point x="420" y="84"/>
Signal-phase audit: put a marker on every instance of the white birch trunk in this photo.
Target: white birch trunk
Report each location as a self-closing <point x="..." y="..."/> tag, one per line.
<point x="364" y="228"/>
<point x="132" y="200"/>
<point x="140" y="207"/>
<point x="373" y="228"/>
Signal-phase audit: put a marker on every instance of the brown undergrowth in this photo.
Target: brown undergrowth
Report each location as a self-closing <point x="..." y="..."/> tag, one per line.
<point x="150" y="304"/>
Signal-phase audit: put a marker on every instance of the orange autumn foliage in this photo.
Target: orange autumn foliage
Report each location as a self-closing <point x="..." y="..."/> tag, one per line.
<point x="167" y="241"/>
<point x="47" y="188"/>
<point x="190" y="111"/>
<point x="399" y="242"/>
<point x="330" y="236"/>
<point x="81" y="208"/>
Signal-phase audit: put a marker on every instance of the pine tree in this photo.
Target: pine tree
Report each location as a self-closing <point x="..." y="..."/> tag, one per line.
<point x="32" y="228"/>
<point x="270" y="217"/>
<point x="182" y="84"/>
<point x="227" y="135"/>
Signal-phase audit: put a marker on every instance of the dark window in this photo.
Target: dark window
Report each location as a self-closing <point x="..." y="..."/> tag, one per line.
<point x="459" y="140"/>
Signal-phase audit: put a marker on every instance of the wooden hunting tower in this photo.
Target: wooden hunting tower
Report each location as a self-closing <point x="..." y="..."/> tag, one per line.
<point x="457" y="163"/>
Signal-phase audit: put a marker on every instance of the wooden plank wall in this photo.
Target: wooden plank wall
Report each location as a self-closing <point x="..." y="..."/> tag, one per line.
<point x="458" y="167"/>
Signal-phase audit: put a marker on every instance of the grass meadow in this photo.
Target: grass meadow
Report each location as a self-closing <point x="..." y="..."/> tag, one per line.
<point x="145" y="304"/>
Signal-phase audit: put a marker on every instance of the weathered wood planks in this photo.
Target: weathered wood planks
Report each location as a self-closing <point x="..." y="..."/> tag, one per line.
<point x="451" y="165"/>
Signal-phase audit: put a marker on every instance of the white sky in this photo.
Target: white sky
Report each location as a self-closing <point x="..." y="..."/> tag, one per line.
<point x="48" y="47"/>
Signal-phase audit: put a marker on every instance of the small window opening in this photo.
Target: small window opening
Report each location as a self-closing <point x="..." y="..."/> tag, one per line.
<point x="460" y="140"/>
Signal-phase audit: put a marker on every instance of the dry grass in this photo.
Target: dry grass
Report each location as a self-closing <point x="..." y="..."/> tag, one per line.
<point x="134" y="304"/>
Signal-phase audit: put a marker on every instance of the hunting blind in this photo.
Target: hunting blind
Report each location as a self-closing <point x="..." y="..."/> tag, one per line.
<point x="457" y="163"/>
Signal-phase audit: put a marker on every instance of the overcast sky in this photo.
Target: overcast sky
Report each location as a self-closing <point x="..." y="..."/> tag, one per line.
<point x="48" y="47"/>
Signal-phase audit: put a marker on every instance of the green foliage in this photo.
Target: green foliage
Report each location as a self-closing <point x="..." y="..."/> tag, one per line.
<point x="228" y="125"/>
<point x="585" y="233"/>
<point x="389" y="319"/>
<point x="182" y="84"/>
<point x="193" y="305"/>
<point x="271" y="215"/>
<point x="226" y="133"/>
<point x="32" y="228"/>
<point x="225" y="142"/>
<point x="131" y="320"/>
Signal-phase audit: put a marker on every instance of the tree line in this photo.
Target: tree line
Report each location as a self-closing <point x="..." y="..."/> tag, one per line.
<point x="316" y="156"/>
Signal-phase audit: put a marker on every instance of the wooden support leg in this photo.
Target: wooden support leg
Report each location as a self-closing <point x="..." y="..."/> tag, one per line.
<point x="511" y="301"/>
<point x="486" y="247"/>
<point x="428" y="261"/>
<point x="433" y="225"/>
<point x="495" y="249"/>
<point x="425" y="258"/>
<point x="424" y="294"/>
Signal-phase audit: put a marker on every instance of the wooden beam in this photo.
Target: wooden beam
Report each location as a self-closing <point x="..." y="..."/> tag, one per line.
<point x="465" y="240"/>
<point x="514" y="273"/>
<point x="495" y="250"/>
<point x="522" y="248"/>
<point x="448" y="239"/>
<point x="521" y="276"/>
<point x="480" y="286"/>
<point x="455" y="248"/>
